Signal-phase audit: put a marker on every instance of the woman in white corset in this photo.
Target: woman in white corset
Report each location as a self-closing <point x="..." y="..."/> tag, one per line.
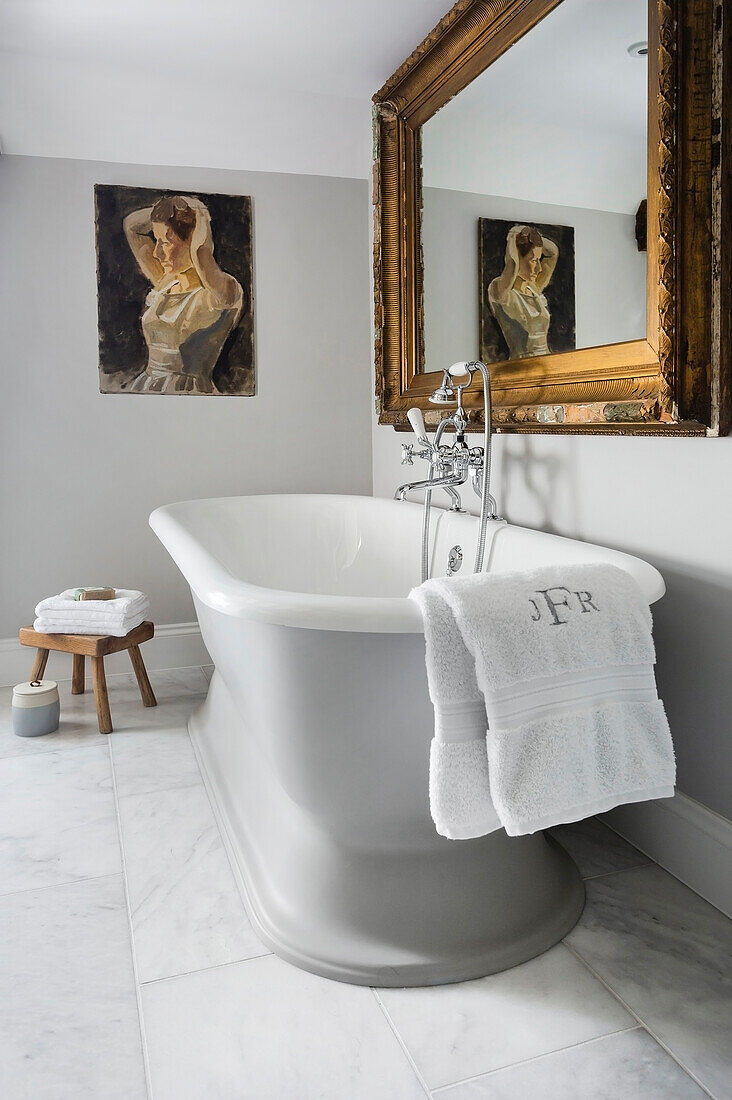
<point x="193" y="305"/>
<point x="516" y="297"/>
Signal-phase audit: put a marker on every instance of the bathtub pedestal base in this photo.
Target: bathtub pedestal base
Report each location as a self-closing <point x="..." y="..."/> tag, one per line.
<point x="397" y="906"/>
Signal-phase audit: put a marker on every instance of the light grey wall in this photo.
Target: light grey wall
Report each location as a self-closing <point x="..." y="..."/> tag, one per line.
<point x="666" y="501"/>
<point x="81" y="471"/>
<point x="610" y="273"/>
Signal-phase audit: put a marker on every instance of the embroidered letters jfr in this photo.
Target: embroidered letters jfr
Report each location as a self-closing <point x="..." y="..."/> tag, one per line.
<point x="553" y="604"/>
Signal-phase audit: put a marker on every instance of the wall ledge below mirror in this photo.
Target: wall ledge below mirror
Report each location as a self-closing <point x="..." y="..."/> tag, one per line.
<point x="678" y="381"/>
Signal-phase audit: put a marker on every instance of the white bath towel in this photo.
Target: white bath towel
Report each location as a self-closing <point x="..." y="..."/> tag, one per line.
<point x="127" y="601"/>
<point x="63" y="614"/>
<point x="564" y="658"/>
<point x="460" y="799"/>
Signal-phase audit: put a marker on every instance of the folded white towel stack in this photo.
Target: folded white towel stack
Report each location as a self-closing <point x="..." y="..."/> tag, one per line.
<point x="564" y="659"/>
<point x="63" y="614"/>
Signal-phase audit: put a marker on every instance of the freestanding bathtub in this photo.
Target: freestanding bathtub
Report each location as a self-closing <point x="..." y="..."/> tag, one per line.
<point x="314" y="739"/>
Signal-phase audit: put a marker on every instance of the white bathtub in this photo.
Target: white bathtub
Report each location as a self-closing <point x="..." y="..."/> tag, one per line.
<point x="314" y="738"/>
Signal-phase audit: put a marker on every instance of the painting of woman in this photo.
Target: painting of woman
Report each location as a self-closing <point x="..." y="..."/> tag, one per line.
<point x="522" y="315"/>
<point x="193" y="304"/>
<point x="176" y="316"/>
<point x="516" y="297"/>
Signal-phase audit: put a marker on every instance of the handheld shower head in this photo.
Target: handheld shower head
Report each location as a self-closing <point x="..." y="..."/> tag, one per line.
<point x="445" y="394"/>
<point x="461" y="370"/>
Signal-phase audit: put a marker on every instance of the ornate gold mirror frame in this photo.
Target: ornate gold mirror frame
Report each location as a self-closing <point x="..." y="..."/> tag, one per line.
<point x="677" y="380"/>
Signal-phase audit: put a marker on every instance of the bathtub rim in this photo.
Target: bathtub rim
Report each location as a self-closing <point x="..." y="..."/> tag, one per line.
<point x="217" y="588"/>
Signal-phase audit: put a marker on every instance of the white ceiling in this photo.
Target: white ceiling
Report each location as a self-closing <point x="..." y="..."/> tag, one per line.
<point x="559" y="118"/>
<point x="324" y="47"/>
<point x="285" y="85"/>
<point x="281" y="85"/>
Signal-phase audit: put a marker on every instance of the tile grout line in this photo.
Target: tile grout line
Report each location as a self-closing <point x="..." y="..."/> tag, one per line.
<point x="401" y="1042"/>
<point x="25" y="755"/>
<point x="620" y="870"/>
<point x="56" y="885"/>
<point x="133" y="953"/>
<point x="204" y="969"/>
<point x="646" y="1027"/>
<point x="536" y="1058"/>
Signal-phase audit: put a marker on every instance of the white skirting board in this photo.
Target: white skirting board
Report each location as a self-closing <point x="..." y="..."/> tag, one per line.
<point x="690" y="841"/>
<point x="175" y="645"/>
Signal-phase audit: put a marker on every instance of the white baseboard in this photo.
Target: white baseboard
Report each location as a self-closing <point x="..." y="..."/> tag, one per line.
<point x="175" y="645"/>
<point x="690" y="841"/>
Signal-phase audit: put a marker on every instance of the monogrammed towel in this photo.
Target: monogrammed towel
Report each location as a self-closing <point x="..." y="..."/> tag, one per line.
<point x="460" y="796"/>
<point x="563" y="656"/>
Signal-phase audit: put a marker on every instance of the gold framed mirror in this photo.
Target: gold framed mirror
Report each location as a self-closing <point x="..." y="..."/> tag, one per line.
<point x="672" y="379"/>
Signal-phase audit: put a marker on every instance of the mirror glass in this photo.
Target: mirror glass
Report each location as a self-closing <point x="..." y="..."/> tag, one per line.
<point x="533" y="176"/>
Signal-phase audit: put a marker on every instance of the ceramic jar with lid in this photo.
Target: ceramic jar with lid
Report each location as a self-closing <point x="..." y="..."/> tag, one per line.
<point x="36" y="708"/>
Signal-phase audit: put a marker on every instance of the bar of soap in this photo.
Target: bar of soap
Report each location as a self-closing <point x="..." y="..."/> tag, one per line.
<point x="94" y="594"/>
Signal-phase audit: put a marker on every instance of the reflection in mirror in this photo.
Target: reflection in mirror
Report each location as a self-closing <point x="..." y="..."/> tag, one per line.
<point x="532" y="178"/>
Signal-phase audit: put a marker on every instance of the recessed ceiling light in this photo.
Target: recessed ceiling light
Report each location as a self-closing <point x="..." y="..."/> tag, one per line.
<point x="638" y="49"/>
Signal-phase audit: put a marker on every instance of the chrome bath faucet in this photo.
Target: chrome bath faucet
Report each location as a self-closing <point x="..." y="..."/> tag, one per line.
<point x="450" y="466"/>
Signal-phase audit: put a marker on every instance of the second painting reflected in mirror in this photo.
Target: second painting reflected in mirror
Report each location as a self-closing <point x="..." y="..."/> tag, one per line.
<point x="526" y="287"/>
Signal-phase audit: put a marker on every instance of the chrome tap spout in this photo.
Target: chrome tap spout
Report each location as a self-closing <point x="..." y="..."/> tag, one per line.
<point x="431" y="483"/>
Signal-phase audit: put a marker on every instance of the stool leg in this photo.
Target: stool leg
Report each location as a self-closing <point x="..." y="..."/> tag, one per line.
<point x="146" y="691"/>
<point x="77" y="676"/>
<point x="39" y="665"/>
<point x="100" y="695"/>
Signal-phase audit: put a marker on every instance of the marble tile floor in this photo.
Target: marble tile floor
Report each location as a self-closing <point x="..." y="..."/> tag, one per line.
<point x="128" y="967"/>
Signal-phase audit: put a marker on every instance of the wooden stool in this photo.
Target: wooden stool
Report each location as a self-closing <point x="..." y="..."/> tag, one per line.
<point x="96" y="646"/>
